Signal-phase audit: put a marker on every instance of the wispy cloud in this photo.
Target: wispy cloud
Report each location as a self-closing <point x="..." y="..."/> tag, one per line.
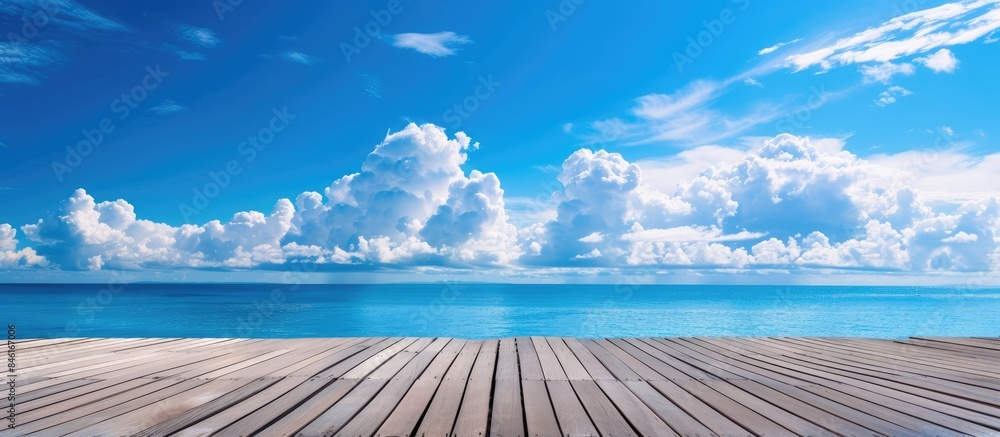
<point x="752" y="82"/>
<point x="911" y="34"/>
<point x="372" y="84"/>
<point x="24" y="54"/>
<point x="167" y="107"/>
<point x="686" y="117"/>
<point x="768" y="50"/>
<point x="68" y="13"/>
<point x="433" y="44"/>
<point x="298" y="57"/>
<point x="186" y="55"/>
<point x="20" y="62"/>
<point x="885" y="71"/>
<point x="198" y="36"/>
<point x="889" y="96"/>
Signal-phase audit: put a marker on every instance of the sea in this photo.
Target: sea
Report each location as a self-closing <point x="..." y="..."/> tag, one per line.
<point x="475" y="311"/>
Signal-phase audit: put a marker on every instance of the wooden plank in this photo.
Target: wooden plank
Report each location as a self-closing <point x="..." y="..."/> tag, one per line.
<point x="641" y="417"/>
<point x="606" y="417"/>
<point x="570" y="364"/>
<point x="645" y="372"/>
<point x="854" y="413"/>
<point x="299" y="406"/>
<point x="507" y="415"/>
<point x="540" y="418"/>
<point x="551" y="368"/>
<point x="371" y="417"/>
<point x="252" y="405"/>
<point x="474" y="414"/>
<point x="594" y="367"/>
<point x="443" y="409"/>
<point x="425" y="386"/>
<point x="615" y="366"/>
<point x="405" y="417"/>
<point x="340" y="413"/>
<point x="706" y="414"/>
<point x="199" y="412"/>
<point x="531" y="368"/>
<point x="678" y="419"/>
<point x="572" y="417"/>
<point x="667" y="371"/>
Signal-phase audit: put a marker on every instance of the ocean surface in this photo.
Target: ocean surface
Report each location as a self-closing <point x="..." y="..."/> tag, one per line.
<point x="494" y="310"/>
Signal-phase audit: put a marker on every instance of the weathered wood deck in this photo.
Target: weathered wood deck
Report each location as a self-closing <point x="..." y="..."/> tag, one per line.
<point x="509" y="387"/>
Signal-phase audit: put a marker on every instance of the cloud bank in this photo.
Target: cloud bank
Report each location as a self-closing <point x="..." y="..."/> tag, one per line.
<point x="789" y="203"/>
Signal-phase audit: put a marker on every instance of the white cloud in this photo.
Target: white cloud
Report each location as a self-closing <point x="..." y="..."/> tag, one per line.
<point x="185" y="55"/>
<point x="298" y="57"/>
<point x="10" y="257"/>
<point x="889" y="96"/>
<point x="20" y="62"/>
<point x="412" y="189"/>
<point x="885" y="71"/>
<point x="687" y="234"/>
<point x="752" y="82"/>
<point x="777" y="46"/>
<point x="684" y="117"/>
<point x="66" y="14"/>
<point x="785" y="202"/>
<point x="944" y="172"/>
<point x="911" y="34"/>
<point x="433" y="44"/>
<point x="198" y="36"/>
<point x="167" y="107"/>
<point x="942" y="61"/>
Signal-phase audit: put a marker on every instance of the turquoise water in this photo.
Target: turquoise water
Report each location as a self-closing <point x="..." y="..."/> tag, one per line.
<point x="494" y="310"/>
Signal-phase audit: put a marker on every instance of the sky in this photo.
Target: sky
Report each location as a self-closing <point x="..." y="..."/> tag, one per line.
<point x="567" y="140"/>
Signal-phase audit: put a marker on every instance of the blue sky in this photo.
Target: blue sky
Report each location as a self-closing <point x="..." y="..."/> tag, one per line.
<point x="195" y="112"/>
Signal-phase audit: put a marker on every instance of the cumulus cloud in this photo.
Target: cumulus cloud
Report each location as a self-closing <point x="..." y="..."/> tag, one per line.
<point x="411" y="203"/>
<point x="434" y="44"/>
<point x="786" y="202"/>
<point x="942" y="61"/>
<point x="818" y="206"/>
<point x="10" y="257"/>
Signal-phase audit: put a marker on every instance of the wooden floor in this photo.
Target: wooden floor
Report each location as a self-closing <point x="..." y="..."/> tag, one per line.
<point x="510" y="387"/>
